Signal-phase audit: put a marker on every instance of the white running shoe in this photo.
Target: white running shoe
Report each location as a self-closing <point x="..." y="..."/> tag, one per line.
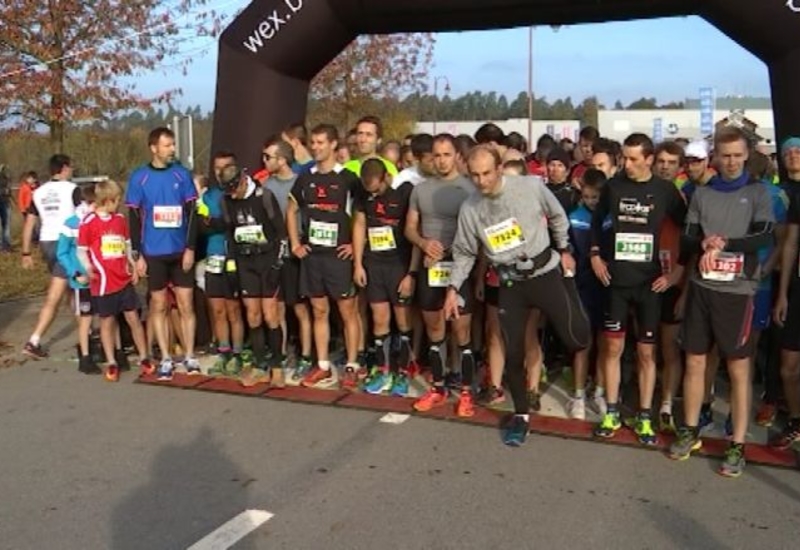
<point x="576" y="408"/>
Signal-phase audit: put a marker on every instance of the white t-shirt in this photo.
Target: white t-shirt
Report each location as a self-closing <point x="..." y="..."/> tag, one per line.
<point x="52" y="204"/>
<point x="410" y="174"/>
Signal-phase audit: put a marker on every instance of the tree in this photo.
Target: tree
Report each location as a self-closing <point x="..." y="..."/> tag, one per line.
<point x="65" y="62"/>
<point x="644" y="103"/>
<point x="372" y="67"/>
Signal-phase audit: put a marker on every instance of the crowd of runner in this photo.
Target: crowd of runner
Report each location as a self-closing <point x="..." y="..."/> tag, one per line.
<point x="461" y="261"/>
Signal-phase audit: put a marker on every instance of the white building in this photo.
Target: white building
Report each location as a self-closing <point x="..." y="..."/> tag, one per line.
<point x="618" y="124"/>
<point x="556" y="128"/>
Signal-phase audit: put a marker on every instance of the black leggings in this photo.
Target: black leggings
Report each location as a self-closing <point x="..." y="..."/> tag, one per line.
<point x="557" y="297"/>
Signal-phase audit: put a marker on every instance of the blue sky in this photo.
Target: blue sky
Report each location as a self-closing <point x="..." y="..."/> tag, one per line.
<point x="665" y="58"/>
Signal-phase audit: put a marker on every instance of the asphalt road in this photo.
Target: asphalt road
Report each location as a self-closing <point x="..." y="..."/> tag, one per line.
<point x="86" y="464"/>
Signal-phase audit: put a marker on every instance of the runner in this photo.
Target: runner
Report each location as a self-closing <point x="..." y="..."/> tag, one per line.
<point x="296" y="136"/>
<point x="431" y="227"/>
<point x="558" y="165"/>
<point x="637" y="202"/>
<point x="256" y="233"/>
<point x="422" y="164"/>
<point x="222" y="286"/>
<point x="505" y="219"/>
<point x="698" y="171"/>
<point x="492" y="135"/>
<point x="322" y="197"/>
<point x="729" y="220"/>
<point x="369" y="133"/>
<point x="53" y="203"/>
<point x="586" y="139"/>
<point x="104" y="250"/>
<point x="163" y="227"/>
<point x="604" y="158"/>
<point x="279" y="159"/>
<point x="385" y="267"/>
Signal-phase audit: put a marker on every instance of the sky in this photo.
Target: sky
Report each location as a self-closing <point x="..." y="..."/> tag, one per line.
<point x="669" y="59"/>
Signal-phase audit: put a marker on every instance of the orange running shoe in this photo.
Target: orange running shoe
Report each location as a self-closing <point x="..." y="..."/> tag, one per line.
<point x="766" y="414"/>
<point x="350" y="379"/>
<point x="146" y="367"/>
<point x="434" y="397"/>
<point x="319" y="378"/>
<point x="465" y="407"/>
<point x="112" y="373"/>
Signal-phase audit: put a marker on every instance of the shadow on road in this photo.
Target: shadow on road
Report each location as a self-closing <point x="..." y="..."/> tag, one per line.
<point x="766" y="477"/>
<point x="682" y="529"/>
<point x="193" y="489"/>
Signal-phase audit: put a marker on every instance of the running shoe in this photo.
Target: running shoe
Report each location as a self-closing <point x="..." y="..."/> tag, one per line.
<point x="350" y="379"/>
<point x="609" y="426"/>
<point x="643" y="428"/>
<point x="300" y="371"/>
<point x="685" y="443"/>
<point x="491" y="395"/>
<point x="598" y="404"/>
<point x="146" y="367"/>
<point x="122" y="360"/>
<point x="192" y="366"/>
<point x="788" y="436"/>
<point x="413" y="368"/>
<point x="234" y="366"/>
<point x="734" y="462"/>
<point x="765" y="416"/>
<point x="112" y="373"/>
<point x="165" y="370"/>
<point x="380" y="383"/>
<point x="666" y="423"/>
<point x="250" y="377"/>
<point x="516" y="431"/>
<point x="86" y="365"/>
<point x="35" y="352"/>
<point x="247" y="358"/>
<point x="534" y="401"/>
<point x="432" y="399"/>
<point x="576" y="408"/>
<point x="363" y="373"/>
<point x="706" y="421"/>
<point x="465" y="408"/>
<point x="399" y="385"/>
<point x="218" y="368"/>
<point x="320" y="378"/>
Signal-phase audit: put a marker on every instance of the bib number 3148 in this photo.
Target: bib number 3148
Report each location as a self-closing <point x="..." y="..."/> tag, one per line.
<point x="633" y="247"/>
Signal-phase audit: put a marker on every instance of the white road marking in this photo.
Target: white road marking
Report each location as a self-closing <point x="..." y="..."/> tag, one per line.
<point x="394" y="418"/>
<point x="231" y="532"/>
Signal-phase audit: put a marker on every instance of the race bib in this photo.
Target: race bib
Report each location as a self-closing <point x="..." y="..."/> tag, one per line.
<point x="665" y="256"/>
<point x="439" y="274"/>
<point x="167" y="217"/>
<point x="215" y="264"/>
<point x="249" y="234"/>
<point x="112" y="246"/>
<point x="504" y="236"/>
<point x="381" y="239"/>
<point x="727" y="266"/>
<point x="323" y="234"/>
<point x="633" y="247"/>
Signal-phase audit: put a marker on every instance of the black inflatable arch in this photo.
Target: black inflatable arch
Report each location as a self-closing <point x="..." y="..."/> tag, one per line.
<point x="272" y="50"/>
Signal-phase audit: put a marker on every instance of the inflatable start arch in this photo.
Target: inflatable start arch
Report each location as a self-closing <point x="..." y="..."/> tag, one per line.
<point x="271" y="51"/>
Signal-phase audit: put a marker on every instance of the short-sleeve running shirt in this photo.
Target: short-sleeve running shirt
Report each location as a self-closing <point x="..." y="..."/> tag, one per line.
<point x="438" y="201"/>
<point x="106" y="237"/>
<point x="160" y="194"/>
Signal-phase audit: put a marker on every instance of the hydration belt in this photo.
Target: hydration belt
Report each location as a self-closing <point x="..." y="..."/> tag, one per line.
<point x="247" y="249"/>
<point x="523" y="269"/>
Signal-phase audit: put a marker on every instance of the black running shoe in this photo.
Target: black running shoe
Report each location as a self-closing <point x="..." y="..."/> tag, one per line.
<point x="86" y="365"/>
<point x="35" y="352"/>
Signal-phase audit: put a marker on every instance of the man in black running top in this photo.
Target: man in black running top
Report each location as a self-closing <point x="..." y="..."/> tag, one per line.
<point x="637" y="202"/>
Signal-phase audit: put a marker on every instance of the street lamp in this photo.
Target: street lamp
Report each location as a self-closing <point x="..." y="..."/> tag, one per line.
<point x="555" y="28"/>
<point x="436" y="98"/>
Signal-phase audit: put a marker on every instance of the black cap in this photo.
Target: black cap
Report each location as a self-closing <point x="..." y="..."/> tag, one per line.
<point x="561" y="156"/>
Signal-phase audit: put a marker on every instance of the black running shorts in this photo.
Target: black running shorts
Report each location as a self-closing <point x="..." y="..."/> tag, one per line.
<point x="325" y="274"/>
<point x="646" y="305"/>
<point x="720" y="318"/>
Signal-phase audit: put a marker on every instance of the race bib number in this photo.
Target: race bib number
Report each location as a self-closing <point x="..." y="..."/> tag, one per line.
<point x="167" y="217"/>
<point x="381" y="239"/>
<point x="249" y="234"/>
<point x="727" y="266"/>
<point x="665" y="256"/>
<point x="215" y="264"/>
<point x="439" y="274"/>
<point x="112" y="246"/>
<point x="504" y="236"/>
<point x="633" y="247"/>
<point x="323" y="234"/>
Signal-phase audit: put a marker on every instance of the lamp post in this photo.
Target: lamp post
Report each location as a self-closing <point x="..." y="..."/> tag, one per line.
<point x="436" y="98"/>
<point x="555" y="28"/>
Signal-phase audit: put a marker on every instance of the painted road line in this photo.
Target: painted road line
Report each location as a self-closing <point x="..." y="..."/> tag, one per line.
<point x="394" y="418"/>
<point x="231" y="532"/>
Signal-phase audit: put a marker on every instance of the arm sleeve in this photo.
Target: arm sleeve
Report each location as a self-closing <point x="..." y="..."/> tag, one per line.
<point x="557" y="219"/>
<point x="465" y="248"/>
<point x="190" y="211"/>
<point x="135" y="227"/>
<point x="692" y="236"/>
<point x="599" y="217"/>
<point x="677" y="206"/>
<point x="761" y="227"/>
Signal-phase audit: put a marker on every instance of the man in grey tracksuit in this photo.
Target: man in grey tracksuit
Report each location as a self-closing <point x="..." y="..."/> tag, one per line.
<point x="509" y="220"/>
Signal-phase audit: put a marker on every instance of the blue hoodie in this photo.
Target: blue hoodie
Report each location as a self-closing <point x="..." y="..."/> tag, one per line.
<point x="67" y="251"/>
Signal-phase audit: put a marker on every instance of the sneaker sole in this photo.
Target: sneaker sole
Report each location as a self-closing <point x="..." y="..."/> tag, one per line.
<point x="33" y="355"/>
<point x="732" y="475"/>
<point x="605" y="436"/>
<point x="682" y="457"/>
<point x="322" y="385"/>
